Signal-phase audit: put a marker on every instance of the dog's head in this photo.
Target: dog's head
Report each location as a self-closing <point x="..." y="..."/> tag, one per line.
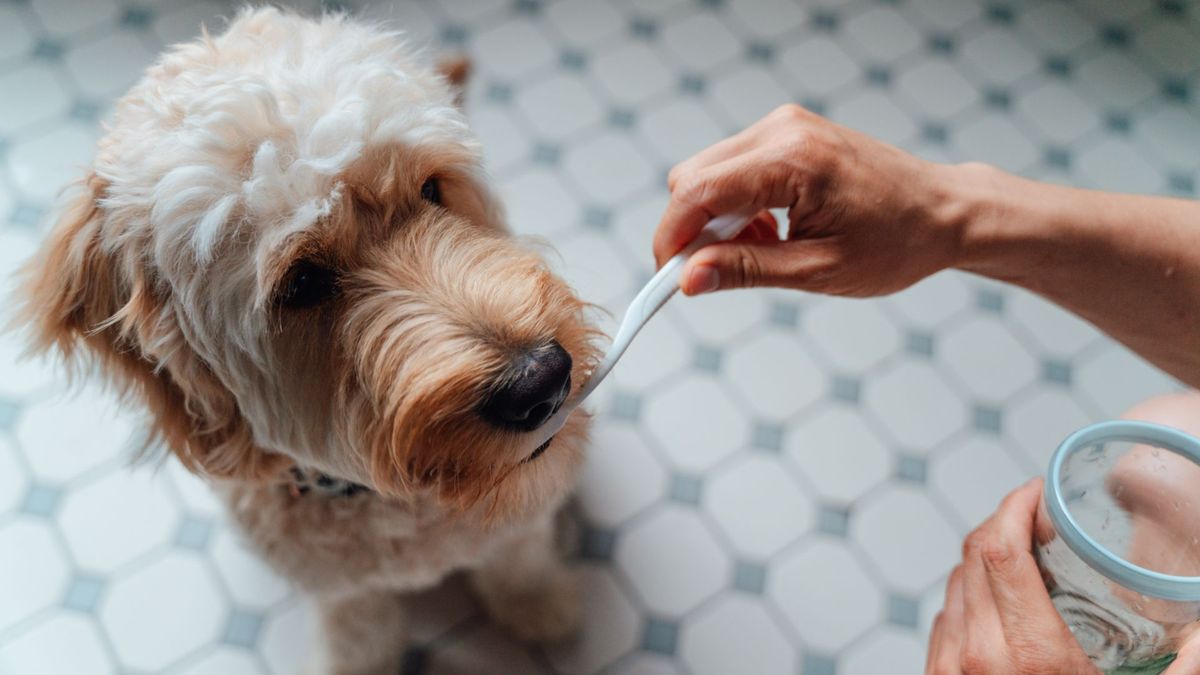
<point x="287" y="250"/>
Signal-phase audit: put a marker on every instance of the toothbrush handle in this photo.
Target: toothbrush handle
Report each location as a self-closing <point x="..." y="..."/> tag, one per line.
<point x="659" y="290"/>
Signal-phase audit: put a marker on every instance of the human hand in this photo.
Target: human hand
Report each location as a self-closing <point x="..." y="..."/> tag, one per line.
<point x="865" y="218"/>
<point x="998" y="617"/>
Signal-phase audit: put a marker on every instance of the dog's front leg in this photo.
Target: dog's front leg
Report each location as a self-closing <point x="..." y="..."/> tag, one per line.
<point x="364" y="633"/>
<point x="527" y="588"/>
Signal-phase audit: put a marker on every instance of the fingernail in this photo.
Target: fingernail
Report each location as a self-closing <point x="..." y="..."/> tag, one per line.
<point x="703" y="279"/>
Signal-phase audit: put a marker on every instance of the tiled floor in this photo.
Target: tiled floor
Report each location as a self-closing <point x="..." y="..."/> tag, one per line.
<point x="779" y="482"/>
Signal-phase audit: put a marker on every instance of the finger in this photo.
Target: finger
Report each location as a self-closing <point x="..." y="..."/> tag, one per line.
<point x="945" y="642"/>
<point x="984" y="644"/>
<point x="713" y="154"/>
<point x="1017" y="587"/>
<point x="749" y="182"/>
<point x="762" y="228"/>
<point x="801" y="265"/>
<point x="1187" y="660"/>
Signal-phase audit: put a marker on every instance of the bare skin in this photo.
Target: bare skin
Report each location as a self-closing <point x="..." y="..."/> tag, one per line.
<point x="998" y="617"/>
<point x="868" y="219"/>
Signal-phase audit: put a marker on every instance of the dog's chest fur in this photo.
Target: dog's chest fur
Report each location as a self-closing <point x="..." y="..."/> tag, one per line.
<point x="332" y="543"/>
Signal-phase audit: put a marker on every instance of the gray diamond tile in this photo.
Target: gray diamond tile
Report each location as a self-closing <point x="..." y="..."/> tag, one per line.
<point x="749" y="577"/>
<point x="83" y="593"/>
<point x="41" y="500"/>
<point x="660" y="636"/>
<point x="685" y="489"/>
<point x="242" y="629"/>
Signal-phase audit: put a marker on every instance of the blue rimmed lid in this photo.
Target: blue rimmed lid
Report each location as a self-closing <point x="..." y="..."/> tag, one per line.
<point x="1099" y="558"/>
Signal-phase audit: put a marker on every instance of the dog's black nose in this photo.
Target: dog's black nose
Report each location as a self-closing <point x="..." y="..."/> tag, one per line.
<point x="539" y="383"/>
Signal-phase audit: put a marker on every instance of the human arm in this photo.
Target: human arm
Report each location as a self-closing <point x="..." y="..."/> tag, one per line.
<point x="866" y="219"/>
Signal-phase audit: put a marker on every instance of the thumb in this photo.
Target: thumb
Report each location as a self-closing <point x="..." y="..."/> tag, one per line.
<point x="749" y="264"/>
<point x="1188" y="659"/>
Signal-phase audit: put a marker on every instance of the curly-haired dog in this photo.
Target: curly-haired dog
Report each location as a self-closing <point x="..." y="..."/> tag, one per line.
<point x="287" y="252"/>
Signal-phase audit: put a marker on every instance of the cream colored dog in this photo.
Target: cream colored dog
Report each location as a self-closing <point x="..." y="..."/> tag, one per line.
<point x="286" y="251"/>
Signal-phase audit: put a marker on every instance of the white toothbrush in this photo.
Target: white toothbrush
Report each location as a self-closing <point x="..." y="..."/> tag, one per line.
<point x="649" y="300"/>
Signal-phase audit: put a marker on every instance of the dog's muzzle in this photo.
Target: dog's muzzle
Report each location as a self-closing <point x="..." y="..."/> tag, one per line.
<point x="535" y="387"/>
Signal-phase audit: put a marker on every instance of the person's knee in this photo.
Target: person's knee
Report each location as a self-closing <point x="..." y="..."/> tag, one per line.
<point x="1180" y="410"/>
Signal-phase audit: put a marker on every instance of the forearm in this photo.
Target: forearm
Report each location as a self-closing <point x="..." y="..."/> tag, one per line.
<point x="1129" y="264"/>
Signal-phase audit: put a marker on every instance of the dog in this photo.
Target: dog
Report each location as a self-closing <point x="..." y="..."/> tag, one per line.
<point x="286" y="251"/>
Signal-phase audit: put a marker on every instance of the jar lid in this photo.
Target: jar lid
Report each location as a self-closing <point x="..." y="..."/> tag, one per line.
<point x="1099" y="558"/>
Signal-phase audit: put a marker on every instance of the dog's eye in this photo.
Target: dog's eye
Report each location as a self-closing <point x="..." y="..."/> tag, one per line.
<point x="431" y="191"/>
<point x="307" y="284"/>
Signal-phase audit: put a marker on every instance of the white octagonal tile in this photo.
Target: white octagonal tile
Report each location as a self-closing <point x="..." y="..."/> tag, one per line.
<point x="889" y="650"/>
<point x="163" y="611"/>
<point x="758" y="505"/>
<point x="594" y="267"/>
<point x="88" y="515"/>
<point x="818" y="64"/>
<point x="33" y="571"/>
<point x="608" y="168"/>
<point x="1039" y="422"/>
<point x="938" y="88"/>
<point x="882" y="33"/>
<point x="559" y="106"/>
<point x="696" y="423"/>
<point x="839" y="454"/>
<point x="974" y="476"/>
<point x="512" y="49"/>
<point x="504" y="141"/>
<point x="539" y="203"/>
<point x="620" y="477"/>
<point x="585" y="23"/>
<point x="700" y="41"/>
<point x="903" y="530"/>
<point x="999" y="56"/>
<point x="1058" y="112"/>
<point x="825" y="593"/>
<point x="929" y="303"/>
<point x="718" y="317"/>
<point x="106" y="67"/>
<point x="916" y="405"/>
<point x="766" y="19"/>
<point x="250" y="582"/>
<point x="776" y="375"/>
<point x="987" y="359"/>
<point x="64" y="17"/>
<point x="225" y="661"/>
<point x="1115" y="378"/>
<point x="631" y="73"/>
<point x="1051" y="327"/>
<point x="13" y="481"/>
<point x="62" y="644"/>
<point x="736" y="635"/>
<point x="679" y="129"/>
<point x="672" y="561"/>
<point x="290" y="638"/>
<point x="854" y="334"/>
<point x="43" y="96"/>
<point x="747" y="94"/>
<point x="98" y="433"/>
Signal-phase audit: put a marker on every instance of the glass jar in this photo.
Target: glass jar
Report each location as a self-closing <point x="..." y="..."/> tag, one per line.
<point x="1117" y="539"/>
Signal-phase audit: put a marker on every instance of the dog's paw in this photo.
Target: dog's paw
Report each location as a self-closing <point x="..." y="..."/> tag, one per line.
<point x="548" y="614"/>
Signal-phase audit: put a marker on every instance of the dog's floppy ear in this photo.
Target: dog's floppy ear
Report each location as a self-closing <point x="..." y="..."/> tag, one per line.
<point x="456" y="70"/>
<point x="98" y="305"/>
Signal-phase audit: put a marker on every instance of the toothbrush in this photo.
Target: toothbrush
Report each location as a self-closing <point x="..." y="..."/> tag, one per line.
<point x="649" y="300"/>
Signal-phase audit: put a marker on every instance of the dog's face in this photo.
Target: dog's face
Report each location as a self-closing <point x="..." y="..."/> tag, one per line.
<point x="287" y="250"/>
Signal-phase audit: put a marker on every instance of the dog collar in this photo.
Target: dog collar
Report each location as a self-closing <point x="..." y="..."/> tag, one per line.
<point x="304" y="481"/>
